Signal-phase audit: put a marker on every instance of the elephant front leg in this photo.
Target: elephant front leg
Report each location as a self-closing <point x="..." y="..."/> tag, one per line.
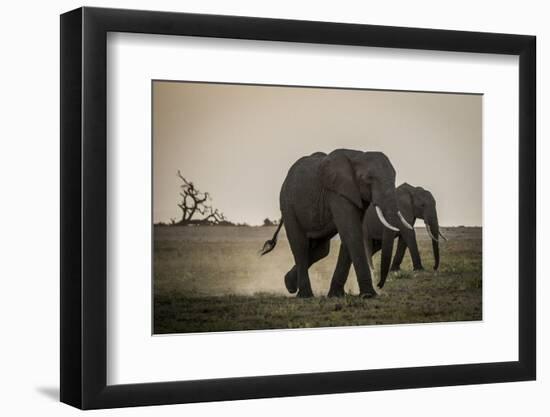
<point x="415" y="255"/>
<point x="410" y="241"/>
<point x="304" y="284"/>
<point x="399" y="254"/>
<point x="347" y="219"/>
<point x="341" y="273"/>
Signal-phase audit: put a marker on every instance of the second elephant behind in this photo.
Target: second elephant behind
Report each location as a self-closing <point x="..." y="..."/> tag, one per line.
<point x="414" y="203"/>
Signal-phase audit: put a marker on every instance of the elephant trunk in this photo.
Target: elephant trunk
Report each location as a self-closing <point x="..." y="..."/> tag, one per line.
<point x="435" y="246"/>
<point x="388" y="215"/>
<point x="385" y="204"/>
<point x="404" y="221"/>
<point x="432" y="225"/>
<point x="384" y="221"/>
<point x="387" y="250"/>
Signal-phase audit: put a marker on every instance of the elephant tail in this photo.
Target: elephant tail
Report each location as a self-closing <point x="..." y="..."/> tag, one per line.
<point x="269" y="245"/>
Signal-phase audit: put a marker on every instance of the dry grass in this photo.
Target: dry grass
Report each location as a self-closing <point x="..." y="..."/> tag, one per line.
<point x="212" y="279"/>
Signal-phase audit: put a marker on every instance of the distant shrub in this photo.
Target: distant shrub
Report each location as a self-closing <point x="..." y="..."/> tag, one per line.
<point x="269" y="222"/>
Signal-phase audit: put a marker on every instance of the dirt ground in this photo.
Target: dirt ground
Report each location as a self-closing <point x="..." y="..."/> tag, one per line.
<point x="211" y="278"/>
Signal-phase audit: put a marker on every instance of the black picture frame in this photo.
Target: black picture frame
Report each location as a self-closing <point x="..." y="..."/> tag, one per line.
<point x="84" y="207"/>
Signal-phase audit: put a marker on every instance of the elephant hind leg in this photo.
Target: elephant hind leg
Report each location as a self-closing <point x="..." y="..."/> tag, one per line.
<point x="299" y="245"/>
<point x="318" y="249"/>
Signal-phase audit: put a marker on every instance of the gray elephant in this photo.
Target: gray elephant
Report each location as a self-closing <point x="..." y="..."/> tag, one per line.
<point x="323" y="195"/>
<point x="413" y="203"/>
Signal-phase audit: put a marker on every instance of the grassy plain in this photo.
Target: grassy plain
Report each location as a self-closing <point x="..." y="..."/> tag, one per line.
<point x="210" y="278"/>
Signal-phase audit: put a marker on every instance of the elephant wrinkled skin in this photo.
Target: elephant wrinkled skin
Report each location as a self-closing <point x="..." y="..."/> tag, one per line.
<point x="323" y="195"/>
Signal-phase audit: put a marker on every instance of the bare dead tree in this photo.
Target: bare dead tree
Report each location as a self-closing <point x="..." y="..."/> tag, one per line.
<point x="194" y="203"/>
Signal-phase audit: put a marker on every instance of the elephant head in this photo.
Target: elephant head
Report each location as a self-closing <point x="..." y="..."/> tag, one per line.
<point x="366" y="178"/>
<point x="423" y="206"/>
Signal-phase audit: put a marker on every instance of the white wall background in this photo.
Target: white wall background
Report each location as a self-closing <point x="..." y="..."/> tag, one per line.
<point x="29" y="175"/>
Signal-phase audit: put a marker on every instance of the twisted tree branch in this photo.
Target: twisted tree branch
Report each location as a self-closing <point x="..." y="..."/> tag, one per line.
<point x="193" y="202"/>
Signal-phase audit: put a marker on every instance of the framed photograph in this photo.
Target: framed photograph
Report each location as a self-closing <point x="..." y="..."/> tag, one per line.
<point x="256" y="208"/>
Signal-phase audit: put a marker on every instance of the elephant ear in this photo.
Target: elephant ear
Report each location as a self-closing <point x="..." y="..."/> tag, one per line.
<point x="406" y="201"/>
<point x="337" y="175"/>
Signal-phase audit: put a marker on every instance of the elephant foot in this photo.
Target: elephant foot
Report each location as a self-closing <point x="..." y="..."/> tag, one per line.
<point x="291" y="281"/>
<point x="395" y="268"/>
<point x="368" y="294"/>
<point x="418" y="268"/>
<point x="339" y="292"/>
<point x="305" y="293"/>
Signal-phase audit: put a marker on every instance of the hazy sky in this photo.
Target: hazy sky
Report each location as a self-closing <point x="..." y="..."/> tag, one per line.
<point x="237" y="142"/>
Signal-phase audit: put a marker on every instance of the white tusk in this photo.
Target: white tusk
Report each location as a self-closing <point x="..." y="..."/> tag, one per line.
<point x="405" y="222"/>
<point x="430" y="233"/>
<point x="384" y="221"/>
<point x="444" y="238"/>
